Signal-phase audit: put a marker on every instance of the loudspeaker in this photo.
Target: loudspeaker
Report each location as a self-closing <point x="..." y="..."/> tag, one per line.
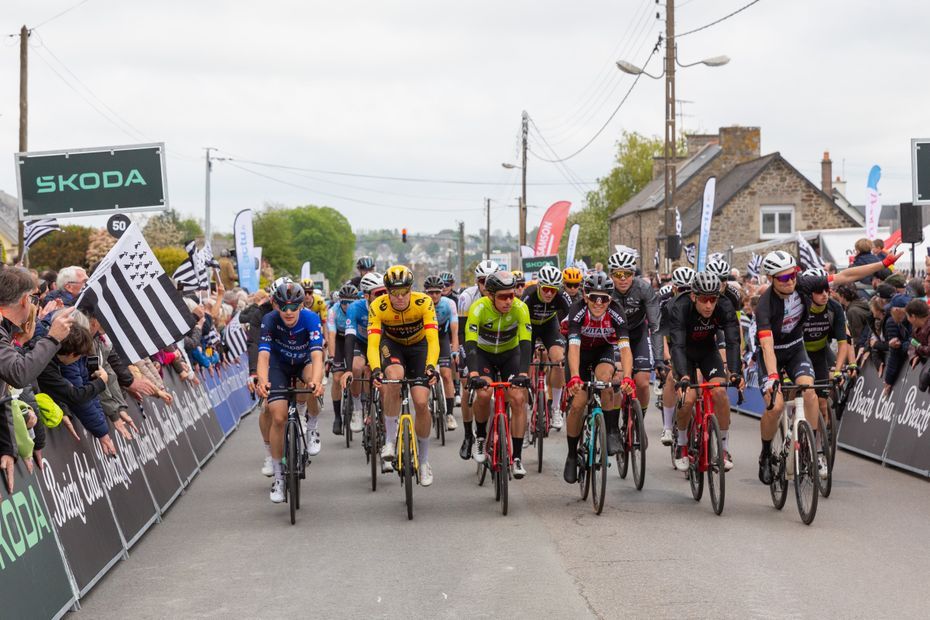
<point x="912" y="223"/>
<point x="673" y="247"/>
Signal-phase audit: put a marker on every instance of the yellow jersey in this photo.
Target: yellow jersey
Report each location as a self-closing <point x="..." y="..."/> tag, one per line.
<point x="406" y="327"/>
<point x="318" y="305"/>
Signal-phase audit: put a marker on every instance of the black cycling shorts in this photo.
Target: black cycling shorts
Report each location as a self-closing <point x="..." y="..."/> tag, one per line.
<point x="709" y="363"/>
<point x="498" y="366"/>
<point x="821" y="362"/>
<point x="339" y="359"/>
<point x="590" y="358"/>
<point x="361" y="349"/>
<point x="445" y="350"/>
<point x="641" y="347"/>
<point x="549" y="334"/>
<point x="411" y="356"/>
<point x="283" y="376"/>
<point x="793" y="361"/>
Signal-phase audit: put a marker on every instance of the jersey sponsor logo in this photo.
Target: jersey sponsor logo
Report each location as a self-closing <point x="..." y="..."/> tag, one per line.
<point x="383" y="305"/>
<point x="473" y="328"/>
<point x="420" y="301"/>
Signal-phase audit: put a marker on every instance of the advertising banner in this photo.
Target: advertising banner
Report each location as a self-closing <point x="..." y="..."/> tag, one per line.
<point x="152" y="449"/>
<point x="245" y="251"/>
<point x="172" y="432"/>
<point x="867" y="419"/>
<point x="873" y="203"/>
<point x="194" y="418"/>
<point x="221" y="408"/>
<point x="33" y="579"/>
<point x="572" y="245"/>
<point x="551" y="228"/>
<point x="707" y="214"/>
<point x="909" y="443"/>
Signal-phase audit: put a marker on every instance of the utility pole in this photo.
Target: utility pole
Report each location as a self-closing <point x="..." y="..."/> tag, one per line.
<point x="524" y="132"/>
<point x="462" y="253"/>
<point x="23" y="106"/>
<point x="487" y="232"/>
<point x="670" y="142"/>
<point x="207" y="230"/>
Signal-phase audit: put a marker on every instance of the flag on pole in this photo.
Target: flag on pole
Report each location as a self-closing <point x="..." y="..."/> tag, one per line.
<point x="655" y="259"/>
<point x="135" y="300"/>
<point x="191" y="275"/>
<point x="873" y="207"/>
<point x="691" y="252"/>
<point x="807" y="257"/>
<point x="707" y="214"/>
<point x="754" y="265"/>
<point x="33" y="230"/>
<point x="572" y="244"/>
<point x="305" y="271"/>
<point x="234" y="339"/>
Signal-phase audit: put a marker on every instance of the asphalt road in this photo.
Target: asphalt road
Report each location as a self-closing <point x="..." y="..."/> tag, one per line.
<point x="225" y="551"/>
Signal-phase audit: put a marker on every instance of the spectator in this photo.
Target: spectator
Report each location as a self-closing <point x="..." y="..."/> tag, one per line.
<point x="858" y="314"/>
<point x="112" y="399"/>
<point x="897" y="334"/>
<point x="227" y="270"/>
<point x="864" y="256"/>
<point x="915" y="288"/>
<point x="50" y="278"/>
<point x="898" y="281"/>
<point x="878" y="248"/>
<point x="70" y="282"/>
<point x="917" y="315"/>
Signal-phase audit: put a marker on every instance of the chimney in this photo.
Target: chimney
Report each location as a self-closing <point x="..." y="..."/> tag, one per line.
<point x="840" y="185"/>
<point x="741" y="144"/>
<point x="826" y="174"/>
<point x="697" y="141"/>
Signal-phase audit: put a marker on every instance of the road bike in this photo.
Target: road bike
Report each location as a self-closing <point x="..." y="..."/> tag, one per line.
<point x="539" y="422"/>
<point x="825" y="440"/>
<point x="296" y="459"/>
<point x="593" y="460"/>
<point x="796" y="455"/>
<point x="348" y="407"/>
<point x="372" y="430"/>
<point x="437" y="407"/>
<point x="632" y="441"/>
<point x="406" y="461"/>
<point x="498" y="449"/>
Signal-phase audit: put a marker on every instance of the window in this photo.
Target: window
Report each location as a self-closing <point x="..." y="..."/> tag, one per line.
<point x="776" y="221"/>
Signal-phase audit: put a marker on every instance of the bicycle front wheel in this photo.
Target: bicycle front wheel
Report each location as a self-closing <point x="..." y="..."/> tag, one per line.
<point x="441" y="417"/>
<point x="541" y="430"/>
<point x="716" y="473"/>
<point x="584" y="472"/>
<point x="293" y="481"/>
<point x="823" y="446"/>
<point x="598" y="464"/>
<point x="406" y="468"/>
<point x="806" y="487"/>
<point x="374" y="446"/>
<point x="347" y="416"/>
<point x="636" y="442"/>
<point x="779" y="486"/>
<point x="695" y="475"/>
<point x="503" y="459"/>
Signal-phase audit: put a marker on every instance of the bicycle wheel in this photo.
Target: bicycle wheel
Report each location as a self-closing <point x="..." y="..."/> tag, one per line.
<point x="598" y="471"/>
<point x="779" y="486"/>
<point x="406" y="467"/>
<point x="806" y="487"/>
<point x="695" y="475"/>
<point x="541" y="416"/>
<point x="673" y="449"/>
<point x="823" y="445"/>
<point x="374" y="446"/>
<point x="482" y="470"/>
<point x="503" y="460"/>
<point x="623" y="457"/>
<point x="831" y="432"/>
<point x="441" y="417"/>
<point x="716" y="473"/>
<point x="584" y="477"/>
<point x="347" y="416"/>
<point x="637" y="449"/>
<point x="293" y="481"/>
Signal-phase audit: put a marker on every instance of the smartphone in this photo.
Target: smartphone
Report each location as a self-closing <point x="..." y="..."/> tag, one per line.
<point x="93" y="364"/>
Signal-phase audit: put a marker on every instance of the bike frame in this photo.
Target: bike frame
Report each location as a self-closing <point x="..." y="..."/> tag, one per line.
<point x="493" y="441"/>
<point x="703" y="409"/>
<point x="405" y="419"/>
<point x="594" y="410"/>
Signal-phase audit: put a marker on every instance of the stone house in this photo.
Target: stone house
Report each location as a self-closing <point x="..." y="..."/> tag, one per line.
<point x="758" y="197"/>
<point x="9" y="225"/>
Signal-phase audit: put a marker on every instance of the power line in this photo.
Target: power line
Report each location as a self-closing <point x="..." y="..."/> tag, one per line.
<point x="715" y="22"/>
<point x="57" y="15"/>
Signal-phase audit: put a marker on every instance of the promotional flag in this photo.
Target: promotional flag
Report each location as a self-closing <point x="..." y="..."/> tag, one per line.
<point x="135" y="300"/>
<point x="526" y="252"/>
<point x="873" y="207"/>
<point x="33" y="230"/>
<point x="551" y="228"/>
<point x="807" y="257"/>
<point x="677" y="222"/>
<point x="258" y="263"/>
<point x="305" y="271"/>
<point x="707" y="213"/>
<point x="245" y="251"/>
<point x="690" y="251"/>
<point x="572" y="244"/>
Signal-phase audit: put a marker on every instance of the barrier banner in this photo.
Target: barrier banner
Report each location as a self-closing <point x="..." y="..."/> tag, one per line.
<point x="152" y="449"/>
<point x="193" y="417"/>
<point x="172" y="432"/>
<point x="867" y="419"/>
<point x="33" y="579"/>
<point x="78" y="505"/>
<point x="909" y="443"/>
<point x="221" y="408"/>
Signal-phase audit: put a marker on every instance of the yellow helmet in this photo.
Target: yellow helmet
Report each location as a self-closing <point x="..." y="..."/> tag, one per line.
<point x="572" y="275"/>
<point x="520" y="278"/>
<point x="307" y="284"/>
<point x="398" y="276"/>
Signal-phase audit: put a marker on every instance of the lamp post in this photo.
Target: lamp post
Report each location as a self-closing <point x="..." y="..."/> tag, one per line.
<point x="525" y="118"/>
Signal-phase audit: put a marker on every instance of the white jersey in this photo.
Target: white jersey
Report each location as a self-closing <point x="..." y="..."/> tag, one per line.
<point x="467" y="297"/>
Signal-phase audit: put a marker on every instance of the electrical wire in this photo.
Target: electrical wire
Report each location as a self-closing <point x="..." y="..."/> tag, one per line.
<point x="57" y="15"/>
<point x="717" y="21"/>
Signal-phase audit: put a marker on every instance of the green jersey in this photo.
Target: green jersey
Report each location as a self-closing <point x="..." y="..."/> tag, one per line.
<point x="495" y="332"/>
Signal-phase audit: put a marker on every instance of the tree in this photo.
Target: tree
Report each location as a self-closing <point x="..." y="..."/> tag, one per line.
<point x="190" y="228"/>
<point x="162" y="230"/>
<point x="100" y="242"/>
<point x="273" y="231"/>
<point x="632" y="172"/>
<point x="170" y="258"/>
<point x="61" y="249"/>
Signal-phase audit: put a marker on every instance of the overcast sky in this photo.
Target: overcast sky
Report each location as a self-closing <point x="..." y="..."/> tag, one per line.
<point x="434" y="90"/>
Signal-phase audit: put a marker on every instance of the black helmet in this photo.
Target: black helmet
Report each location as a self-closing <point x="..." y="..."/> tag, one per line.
<point x="500" y="281"/>
<point x="447" y="278"/>
<point x="705" y="283"/>
<point x="365" y="262"/>
<point x="598" y="282"/>
<point x="433" y="283"/>
<point x="348" y="292"/>
<point x="288" y="293"/>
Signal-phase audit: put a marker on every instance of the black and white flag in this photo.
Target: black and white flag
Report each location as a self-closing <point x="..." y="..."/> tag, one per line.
<point x="656" y="259"/>
<point x="691" y="252"/>
<point x="807" y="257"/>
<point x="234" y="339"/>
<point x="754" y="265"/>
<point x="33" y="230"/>
<point x="135" y="300"/>
<point x="186" y="274"/>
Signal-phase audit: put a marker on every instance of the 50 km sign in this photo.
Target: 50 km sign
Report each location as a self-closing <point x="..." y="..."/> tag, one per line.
<point x="91" y="181"/>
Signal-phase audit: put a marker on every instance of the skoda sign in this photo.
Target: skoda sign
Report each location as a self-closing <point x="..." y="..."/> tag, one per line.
<point x="90" y="181"/>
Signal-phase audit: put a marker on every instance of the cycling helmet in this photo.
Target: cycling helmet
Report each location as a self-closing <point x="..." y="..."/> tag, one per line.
<point x="549" y="275"/>
<point x="625" y="259"/>
<point x="778" y="261"/>
<point x="307" y="283"/>
<point x="705" y="283"/>
<point x="278" y="282"/>
<point x="719" y="267"/>
<point x="500" y="281"/>
<point x="288" y="293"/>
<point x="572" y="275"/>
<point x="371" y="282"/>
<point x="682" y="277"/>
<point x="347" y="292"/>
<point x="665" y="291"/>
<point x="365" y="262"/>
<point x="447" y="278"/>
<point x="486" y="268"/>
<point x="432" y="283"/>
<point x="816" y="272"/>
<point x="521" y="279"/>
<point x="398" y="276"/>
<point x="597" y="282"/>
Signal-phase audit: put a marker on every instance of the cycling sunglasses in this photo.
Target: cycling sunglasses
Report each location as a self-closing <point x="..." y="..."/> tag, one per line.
<point x="569" y="285"/>
<point x="399" y="292"/>
<point x="549" y="289"/>
<point x="378" y="292"/>
<point x="786" y="277"/>
<point x="621" y="273"/>
<point x="707" y="299"/>
<point x="504" y="296"/>
<point x="291" y="307"/>
<point x="598" y="298"/>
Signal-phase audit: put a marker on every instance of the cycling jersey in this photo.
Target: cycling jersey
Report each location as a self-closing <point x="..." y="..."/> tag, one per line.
<point x="692" y="338"/>
<point x="446" y="316"/>
<point x="641" y="311"/>
<point x="589" y="332"/>
<point x="783" y="319"/>
<point x="542" y="312"/>
<point x="357" y="320"/>
<point x="291" y="345"/>
<point x="318" y="305"/>
<point x="453" y="297"/>
<point x="405" y="327"/>
<point x="494" y="332"/>
<point x="823" y="325"/>
<point x="467" y="297"/>
<point x="337" y="320"/>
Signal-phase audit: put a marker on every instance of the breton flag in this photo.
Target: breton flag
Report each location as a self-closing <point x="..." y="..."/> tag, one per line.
<point x="135" y="300"/>
<point x="691" y="252"/>
<point x="655" y="259"/>
<point x="234" y="339"/>
<point x="33" y="230"/>
<point x="754" y="265"/>
<point x="807" y="257"/>
<point x="186" y="275"/>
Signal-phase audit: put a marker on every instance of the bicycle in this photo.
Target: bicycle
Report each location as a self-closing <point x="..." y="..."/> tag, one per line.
<point x="593" y="460"/>
<point x="406" y="462"/>
<point x="796" y="458"/>
<point x="498" y="450"/>
<point x="705" y="445"/>
<point x="825" y="440"/>
<point x="347" y="411"/>
<point x="632" y="441"/>
<point x="437" y="407"/>
<point x="372" y="430"/>
<point x="538" y="427"/>
<point x="296" y="458"/>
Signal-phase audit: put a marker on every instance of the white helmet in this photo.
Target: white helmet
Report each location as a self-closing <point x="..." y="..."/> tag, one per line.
<point x="778" y="261"/>
<point x="549" y="275"/>
<point x="705" y="283"/>
<point x="622" y="260"/>
<point x="719" y="267"/>
<point x="682" y="277"/>
<point x="816" y="272"/>
<point x="279" y="282"/>
<point x="486" y="268"/>
<point x="371" y="281"/>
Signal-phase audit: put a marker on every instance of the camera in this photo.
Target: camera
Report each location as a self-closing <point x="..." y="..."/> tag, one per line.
<point x="93" y="364"/>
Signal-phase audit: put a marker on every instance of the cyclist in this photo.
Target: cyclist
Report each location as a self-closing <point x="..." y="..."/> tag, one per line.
<point x="466" y="298"/>
<point x="356" y="340"/>
<point x="313" y="300"/>
<point x="547" y="306"/>
<point x="365" y="265"/>
<point x="520" y="279"/>
<point x="336" y="326"/>
<point x="596" y="330"/>
<point x="498" y="345"/>
<point x="291" y="348"/>
<point x="448" y="284"/>
<point x="641" y="310"/>
<point x="681" y="283"/>
<point x="448" y="322"/>
<point x="409" y="349"/>
<point x="780" y="315"/>
<point x="694" y="320"/>
<point x="571" y="285"/>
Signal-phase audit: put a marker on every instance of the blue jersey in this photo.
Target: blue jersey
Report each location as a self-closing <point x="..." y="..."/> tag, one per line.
<point x="446" y="315"/>
<point x="291" y="345"/>
<point x="357" y="320"/>
<point x="336" y="320"/>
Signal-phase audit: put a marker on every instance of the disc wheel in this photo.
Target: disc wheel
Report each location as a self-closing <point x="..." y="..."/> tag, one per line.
<point x="636" y="442"/>
<point x="806" y="485"/>
<point x="598" y="471"/>
<point x="716" y="472"/>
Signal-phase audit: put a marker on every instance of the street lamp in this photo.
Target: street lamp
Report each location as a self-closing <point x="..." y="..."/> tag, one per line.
<point x="511" y="166"/>
<point x="524" y="130"/>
